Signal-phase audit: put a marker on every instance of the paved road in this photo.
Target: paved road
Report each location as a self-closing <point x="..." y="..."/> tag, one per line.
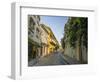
<point x="56" y="58"/>
<point x="53" y="59"/>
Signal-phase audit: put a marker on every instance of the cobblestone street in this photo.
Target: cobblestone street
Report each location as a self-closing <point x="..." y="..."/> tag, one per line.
<point x="56" y="58"/>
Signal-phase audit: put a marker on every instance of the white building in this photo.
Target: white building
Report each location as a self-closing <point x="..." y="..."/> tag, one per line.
<point x="44" y="40"/>
<point x="34" y="36"/>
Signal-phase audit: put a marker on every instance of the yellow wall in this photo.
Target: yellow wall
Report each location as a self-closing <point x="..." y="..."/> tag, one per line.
<point x="50" y="46"/>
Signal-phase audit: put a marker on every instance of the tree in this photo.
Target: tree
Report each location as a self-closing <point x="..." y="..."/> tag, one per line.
<point x="76" y="31"/>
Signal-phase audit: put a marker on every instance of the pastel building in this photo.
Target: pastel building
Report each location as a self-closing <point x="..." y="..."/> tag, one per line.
<point x="41" y="40"/>
<point x="34" y="38"/>
<point x="52" y="43"/>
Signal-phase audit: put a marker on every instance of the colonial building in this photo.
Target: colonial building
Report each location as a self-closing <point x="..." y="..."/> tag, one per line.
<point x="34" y="38"/>
<point x="44" y="42"/>
<point x="52" y="43"/>
<point x="41" y="40"/>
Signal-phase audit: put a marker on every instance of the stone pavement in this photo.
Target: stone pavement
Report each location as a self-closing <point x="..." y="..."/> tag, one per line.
<point x="53" y="59"/>
<point x="69" y="60"/>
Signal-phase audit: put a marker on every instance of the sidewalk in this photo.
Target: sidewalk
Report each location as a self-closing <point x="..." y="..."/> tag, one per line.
<point x="69" y="60"/>
<point x="33" y="62"/>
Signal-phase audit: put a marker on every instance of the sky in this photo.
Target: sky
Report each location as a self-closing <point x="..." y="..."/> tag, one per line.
<point x="56" y="23"/>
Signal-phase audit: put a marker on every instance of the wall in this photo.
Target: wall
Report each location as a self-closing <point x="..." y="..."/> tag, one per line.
<point x="5" y="40"/>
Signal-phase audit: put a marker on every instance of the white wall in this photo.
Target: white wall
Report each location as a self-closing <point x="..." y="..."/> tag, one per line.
<point x="5" y="40"/>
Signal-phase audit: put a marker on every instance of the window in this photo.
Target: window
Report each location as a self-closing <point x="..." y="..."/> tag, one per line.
<point x="31" y="22"/>
<point x="37" y="36"/>
<point x="37" y="30"/>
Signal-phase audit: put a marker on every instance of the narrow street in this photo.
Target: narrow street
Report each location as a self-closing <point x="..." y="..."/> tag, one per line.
<point x="56" y="58"/>
<point x="48" y="45"/>
<point x="53" y="59"/>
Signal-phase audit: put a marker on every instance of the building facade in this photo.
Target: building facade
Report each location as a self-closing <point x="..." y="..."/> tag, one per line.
<point x="44" y="43"/>
<point x="78" y="51"/>
<point x="41" y="40"/>
<point x="34" y="38"/>
<point x="52" y="43"/>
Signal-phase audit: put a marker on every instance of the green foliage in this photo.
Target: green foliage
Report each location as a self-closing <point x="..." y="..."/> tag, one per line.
<point x="63" y="43"/>
<point x="76" y="30"/>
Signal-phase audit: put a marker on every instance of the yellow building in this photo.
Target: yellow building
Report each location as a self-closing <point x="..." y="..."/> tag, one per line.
<point x="52" y="42"/>
<point x="41" y="40"/>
